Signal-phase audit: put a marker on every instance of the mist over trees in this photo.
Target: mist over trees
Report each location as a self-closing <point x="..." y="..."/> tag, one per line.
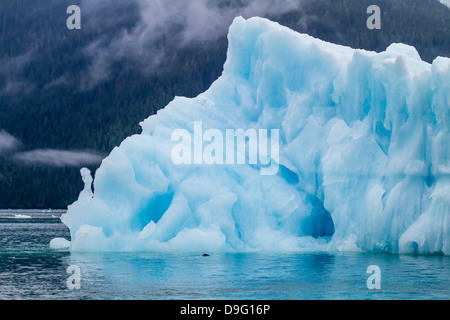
<point x="86" y="90"/>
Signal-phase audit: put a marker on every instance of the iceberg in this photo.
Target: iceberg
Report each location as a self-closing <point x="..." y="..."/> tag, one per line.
<point x="363" y="160"/>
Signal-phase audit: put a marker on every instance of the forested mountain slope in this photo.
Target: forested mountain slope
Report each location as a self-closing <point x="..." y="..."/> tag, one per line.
<point x="86" y="90"/>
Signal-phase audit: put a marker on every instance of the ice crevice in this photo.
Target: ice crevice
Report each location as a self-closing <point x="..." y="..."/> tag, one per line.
<point x="364" y="160"/>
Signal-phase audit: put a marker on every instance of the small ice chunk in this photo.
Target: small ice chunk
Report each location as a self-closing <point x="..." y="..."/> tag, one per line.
<point x="59" y="243"/>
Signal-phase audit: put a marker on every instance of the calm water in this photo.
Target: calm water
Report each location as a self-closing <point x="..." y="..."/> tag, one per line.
<point x="30" y="270"/>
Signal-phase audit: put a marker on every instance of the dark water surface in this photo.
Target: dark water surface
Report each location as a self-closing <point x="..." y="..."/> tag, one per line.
<point x="29" y="269"/>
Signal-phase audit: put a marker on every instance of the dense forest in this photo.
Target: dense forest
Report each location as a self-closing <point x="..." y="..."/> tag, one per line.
<point x="86" y="90"/>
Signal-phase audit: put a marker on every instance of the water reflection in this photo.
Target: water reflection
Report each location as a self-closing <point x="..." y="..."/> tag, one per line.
<point x="30" y="270"/>
<point x="41" y="273"/>
<point x="218" y="276"/>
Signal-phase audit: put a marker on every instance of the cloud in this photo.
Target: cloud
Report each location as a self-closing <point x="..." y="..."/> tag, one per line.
<point x="164" y="26"/>
<point x="183" y="20"/>
<point x="59" y="158"/>
<point x="47" y="157"/>
<point x="146" y="33"/>
<point x="60" y="81"/>
<point x="11" y="70"/>
<point x="8" y="143"/>
<point x="15" y="64"/>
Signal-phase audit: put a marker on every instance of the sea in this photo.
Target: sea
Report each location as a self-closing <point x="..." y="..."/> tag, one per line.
<point x="31" y="270"/>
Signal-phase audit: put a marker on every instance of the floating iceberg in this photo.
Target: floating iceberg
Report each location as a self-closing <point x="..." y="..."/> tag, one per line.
<point x="363" y="157"/>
